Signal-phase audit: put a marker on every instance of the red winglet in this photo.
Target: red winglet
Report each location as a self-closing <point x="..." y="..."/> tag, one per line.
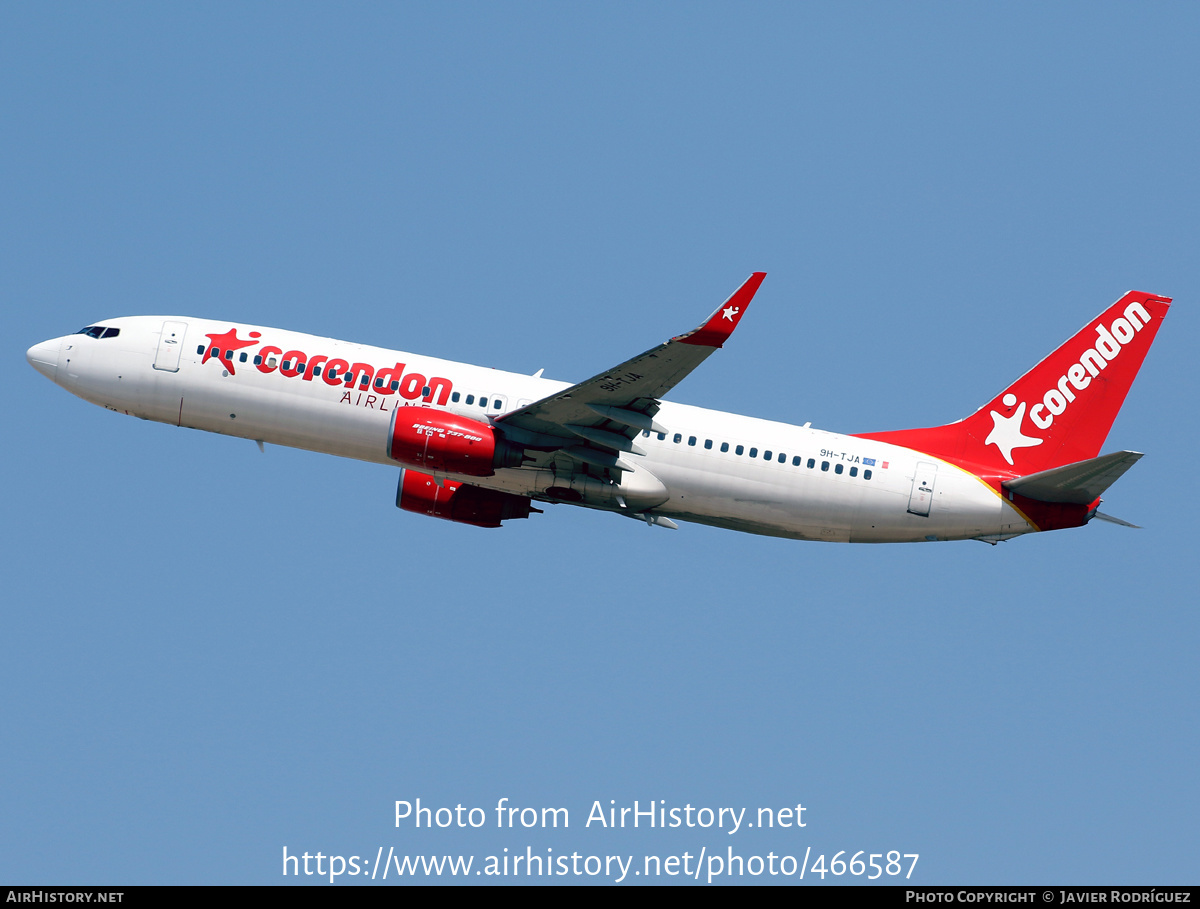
<point x="720" y="325"/>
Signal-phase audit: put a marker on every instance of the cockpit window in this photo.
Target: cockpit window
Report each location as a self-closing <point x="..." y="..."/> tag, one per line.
<point x="99" y="331"/>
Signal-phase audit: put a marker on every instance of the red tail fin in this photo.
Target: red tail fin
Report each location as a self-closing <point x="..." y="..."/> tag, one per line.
<point x="1060" y="411"/>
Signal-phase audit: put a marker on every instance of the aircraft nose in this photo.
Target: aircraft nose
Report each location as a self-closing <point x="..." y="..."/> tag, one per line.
<point x="44" y="357"/>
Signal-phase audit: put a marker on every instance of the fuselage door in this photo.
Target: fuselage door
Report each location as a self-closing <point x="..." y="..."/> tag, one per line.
<point x="170" y="346"/>
<point x="922" y="489"/>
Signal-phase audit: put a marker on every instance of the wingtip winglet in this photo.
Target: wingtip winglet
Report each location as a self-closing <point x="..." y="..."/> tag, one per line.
<point x="720" y="325"/>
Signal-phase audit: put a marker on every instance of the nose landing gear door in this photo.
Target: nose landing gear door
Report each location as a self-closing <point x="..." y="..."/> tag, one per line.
<point x="922" y="489"/>
<point x="170" y="346"/>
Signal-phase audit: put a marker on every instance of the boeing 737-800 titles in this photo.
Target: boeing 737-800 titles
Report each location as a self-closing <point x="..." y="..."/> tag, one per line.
<point x="480" y="446"/>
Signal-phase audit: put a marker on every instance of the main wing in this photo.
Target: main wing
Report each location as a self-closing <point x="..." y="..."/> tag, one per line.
<point x="595" y="421"/>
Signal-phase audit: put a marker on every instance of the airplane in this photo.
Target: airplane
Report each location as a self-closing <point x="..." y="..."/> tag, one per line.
<point x="479" y="446"/>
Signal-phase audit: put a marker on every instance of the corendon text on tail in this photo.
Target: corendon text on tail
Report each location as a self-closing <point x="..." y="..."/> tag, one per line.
<point x="480" y="446"/>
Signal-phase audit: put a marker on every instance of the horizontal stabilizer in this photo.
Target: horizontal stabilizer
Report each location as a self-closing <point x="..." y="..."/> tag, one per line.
<point x="1080" y="483"/>
<point x="1112" y="520"/>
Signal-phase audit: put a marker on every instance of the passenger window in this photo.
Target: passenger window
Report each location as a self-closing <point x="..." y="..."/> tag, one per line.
<point x="287" y="364"/>
<point x="379" y="383"/>
<point x="454" y="397"/>
<point x="739" y="450"/>
<point x="483" y="402"/>
<point x="796" y="461"/>
<point x="366" y="381"/>
<point x="645" y="433"/>
<point x="724" y="446"/>
<point x="782" y="457"/>
<point x="767" y="455"/>
<point x="200" y="349"/>
<point x="866" y="474"/>
<point x="825" y="466"/>
<point x="257" y="360"/>
<point x="242" y="358"/>
<point x="333" y="373"/>
<point x="396" y="385"/>
<point x="470" y="399"/>
<point x="708" y="443"/>
<point x="662" y="437"/>
<point x="837" y="468"/>
<point x="691" y="440"/>
<point x="678" y="438"/>
<point x="754" y="452"/>
<point x="811" y="463"/>
<point x="853" y="471"/>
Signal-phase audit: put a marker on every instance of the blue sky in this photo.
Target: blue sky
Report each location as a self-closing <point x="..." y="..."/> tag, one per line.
<point x="214" y="653"/>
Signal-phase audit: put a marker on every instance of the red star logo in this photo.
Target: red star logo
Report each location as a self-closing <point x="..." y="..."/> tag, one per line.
<point x="227" y="344"/>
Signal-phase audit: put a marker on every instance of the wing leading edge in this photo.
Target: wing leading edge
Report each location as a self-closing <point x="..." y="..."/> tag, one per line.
<point x="596" y="420"/>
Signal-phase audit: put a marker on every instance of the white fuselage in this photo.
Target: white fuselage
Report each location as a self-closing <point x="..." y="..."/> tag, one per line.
<point x="856" y="490"/>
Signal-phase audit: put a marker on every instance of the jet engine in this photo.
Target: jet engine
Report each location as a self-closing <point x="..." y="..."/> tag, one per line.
<point x="442" y="442"/>
<point x="453" y="501"/>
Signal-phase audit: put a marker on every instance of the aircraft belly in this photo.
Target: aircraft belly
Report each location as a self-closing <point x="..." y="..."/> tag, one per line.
<point x="765" y="500"/>
<point x="962" y="508"/>
<point x="836" y="509"/>
<point x="247" y="409"/>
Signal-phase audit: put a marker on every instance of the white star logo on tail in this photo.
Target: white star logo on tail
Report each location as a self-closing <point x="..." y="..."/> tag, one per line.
<point x="730" y="311"/>
<point x="1006" y="431"/>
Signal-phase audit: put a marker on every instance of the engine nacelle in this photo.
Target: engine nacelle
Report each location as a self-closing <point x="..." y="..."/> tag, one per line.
<point x="454" y="501"/>
<point x="442" y="442"/>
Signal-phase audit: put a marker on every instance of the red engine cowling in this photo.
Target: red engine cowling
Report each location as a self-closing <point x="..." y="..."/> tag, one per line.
<point x="442" y="442"/>
<point x="454" y="501"/>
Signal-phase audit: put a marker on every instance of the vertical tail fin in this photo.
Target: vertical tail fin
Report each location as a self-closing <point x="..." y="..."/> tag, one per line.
<point x="1060" y="411"/>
